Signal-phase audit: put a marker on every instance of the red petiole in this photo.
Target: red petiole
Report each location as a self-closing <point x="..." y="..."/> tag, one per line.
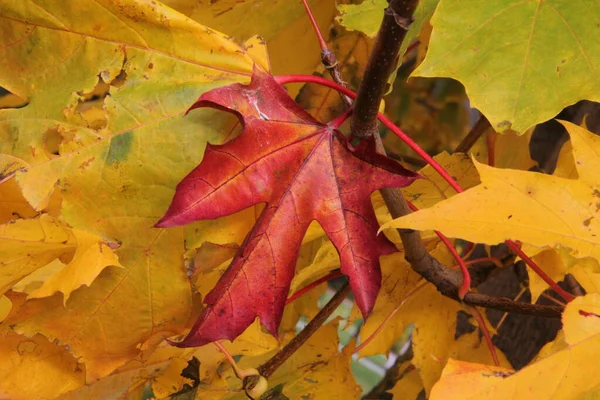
<point x="283" y="79"/>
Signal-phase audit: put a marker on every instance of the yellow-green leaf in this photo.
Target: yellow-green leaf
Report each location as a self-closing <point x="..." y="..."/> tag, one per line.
<point x="279" y="23"/>
<point x="367" y="16"/>
<point x="116" y="167"/>
<point x="520" y="61"/>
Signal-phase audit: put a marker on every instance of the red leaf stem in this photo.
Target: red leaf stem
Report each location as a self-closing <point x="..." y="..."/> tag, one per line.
<point x="322" y="42"/>
<point x="486" y="333"/>
<point x="311" y="286"/>
<point x="283" y="79"/>
<point x="517" y="249"/>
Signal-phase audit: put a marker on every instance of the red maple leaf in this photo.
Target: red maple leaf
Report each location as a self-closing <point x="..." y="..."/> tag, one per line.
<point x="303" y="170"/>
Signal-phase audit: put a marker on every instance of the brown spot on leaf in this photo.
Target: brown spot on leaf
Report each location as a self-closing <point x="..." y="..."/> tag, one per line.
<point x="588" y="221"/>
<point x="588" y="314"/>
<point x="86" y="163"/>
<point x="27" y="346"/>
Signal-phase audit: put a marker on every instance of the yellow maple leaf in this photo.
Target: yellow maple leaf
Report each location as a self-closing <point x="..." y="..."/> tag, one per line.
<point x="534" y="208"/>
<point x="117" y="177"/>
<point x="91" y="256"/>
<point x="35" y="368"/>
<point x="571" y="372"/>
<point x="28" y="245"/>
<point x="409" y="385"/>
<point x="433" y="315"/>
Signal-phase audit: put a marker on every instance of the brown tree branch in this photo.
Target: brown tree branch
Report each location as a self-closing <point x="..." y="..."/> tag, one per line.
<point x="397" y="20"/>
<point x="364" y="123"/>
<point x="384" y="58"/>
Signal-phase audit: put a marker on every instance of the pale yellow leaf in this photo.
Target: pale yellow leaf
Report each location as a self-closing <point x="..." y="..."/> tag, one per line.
<point x="317" y="259"/>
<point x="398" y="282"/>
<point x="26" y="246"/>
<point x="12" y="203"/>
<point x="550" y="262"/>
<point x="325" y="260"/>
<point x="510" y="150"/>
<point x="534" y="208"/>
<point x="565" y="165"/>
<point x="170" y="379"/>
<point x="105" y="323"/>
<point x="36" y="279"/>
<point x="426" y="192"/>
<point x="126" y="380"/>
<point x="581" y="318"/>
<point x="569" y="372"/>
<point x="461" y="379"/>
<point x="558" y="344"/>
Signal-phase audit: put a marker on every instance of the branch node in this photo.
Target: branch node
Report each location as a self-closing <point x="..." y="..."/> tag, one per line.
<point x="402" y="22"/>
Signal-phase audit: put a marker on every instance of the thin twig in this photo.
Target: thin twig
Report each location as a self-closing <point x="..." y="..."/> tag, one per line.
<point x="332" y="275"/>
<point x="328" y="57"/>
<point x="474" y="134"/>
<point x="465" y="286"/>
<point x="274" y="362"/>
<point x="509" y="305"/>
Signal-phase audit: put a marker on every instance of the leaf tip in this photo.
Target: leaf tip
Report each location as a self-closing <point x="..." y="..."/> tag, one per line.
<point x="165" y="222"/>
<point x="162" y="223"/>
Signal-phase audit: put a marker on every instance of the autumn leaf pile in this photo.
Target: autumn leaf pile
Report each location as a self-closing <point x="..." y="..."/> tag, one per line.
<point x="96" y="146"/>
